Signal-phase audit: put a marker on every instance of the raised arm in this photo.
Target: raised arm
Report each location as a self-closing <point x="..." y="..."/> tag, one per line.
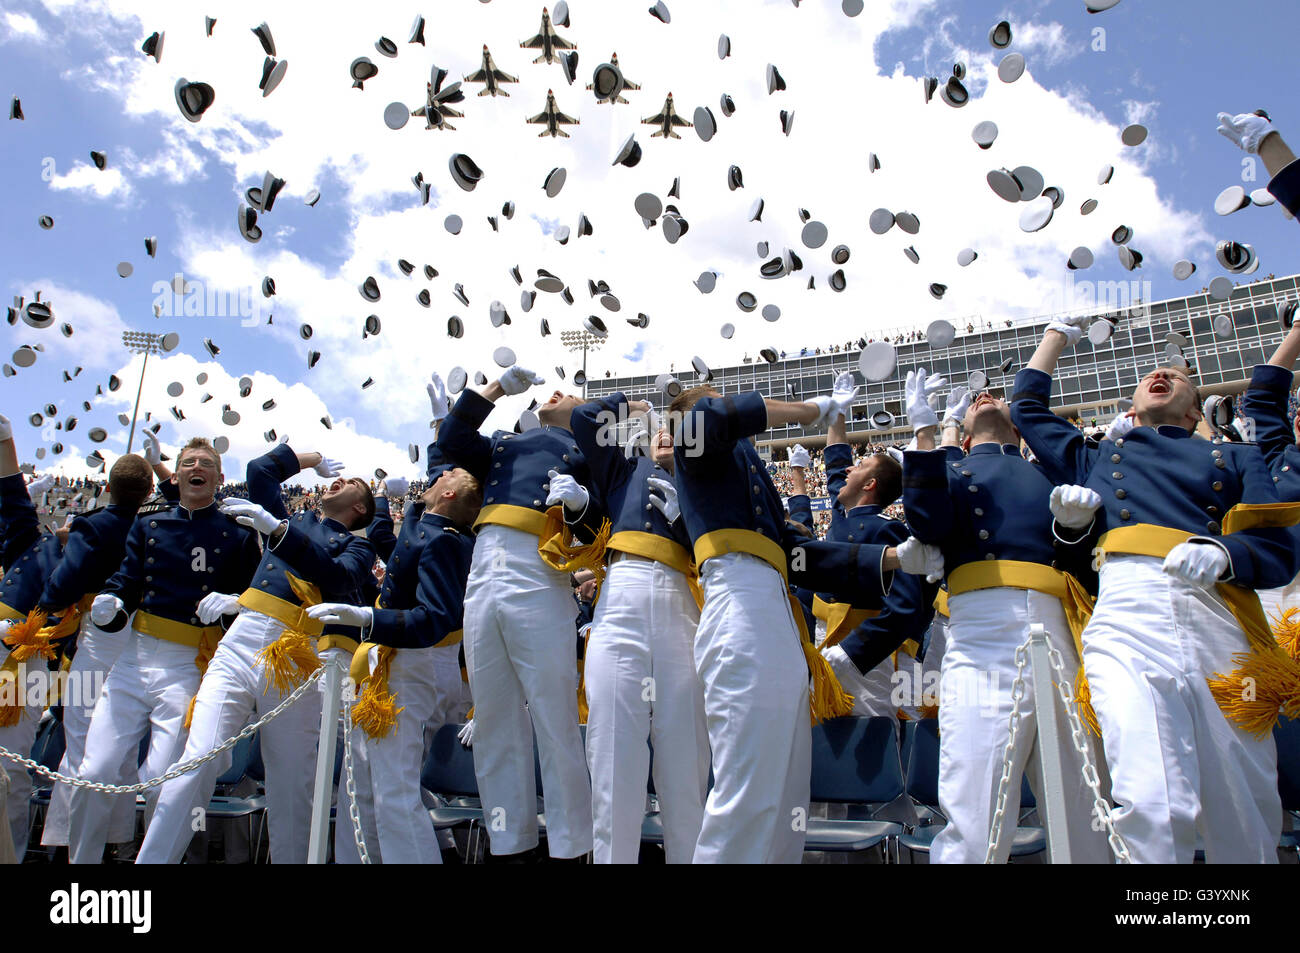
<point x="342" y="573"/>
<point x="65" y="585"/>
<point x="380" y="531"/>
<point x="264" y="476"/>
<point x="1057" y="443"/>
<point x="1265" y="403"/>
<point x="595" y="426"/>
<point x="444" y="566"/>
<point x="21" y="525"/>
<point x="927" y="501"/>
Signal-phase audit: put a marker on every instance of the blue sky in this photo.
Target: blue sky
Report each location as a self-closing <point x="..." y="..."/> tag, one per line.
<point x="855" y="87"/>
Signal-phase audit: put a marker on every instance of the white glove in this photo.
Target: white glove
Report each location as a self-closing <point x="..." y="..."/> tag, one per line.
<point x="667" y="504"/>
<point x="396" y="487"/>
<point x="917" y="391"/>
<point x="850" y="678"/>
<point x="328" y="468"/>
<point x="330" y="612"/>
<point x="842" y="392"/>
<point x="565" y="489"/>
<point x="105" y="608"/>
<point x="1074" y="506"/>
<point x="920" y="559"/>
<point x="438" y="397"/>
<point x="40" y="485"/>
<point x="466" y="734"/>
<point x="6" y="428"/>
<point x="896" y="453"/>
<point x="826" y="409"/>
<point x="800" y="457"/>
<point x="1246" y="131"/>
<point x="216" y="604"/>
<point x="1071" y="326"/>
<point x="1121" y="425"/>
<point x="5" y="625"/>
<point x="1198" y="564"/>
<point x="152" y="450"/>
<point x="518" y="379"/>
<point x="248" y="513"/>
<point x="958" y="403"/>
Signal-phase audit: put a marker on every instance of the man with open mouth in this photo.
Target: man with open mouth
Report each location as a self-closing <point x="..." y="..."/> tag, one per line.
<point x="175" y="560"/>
<point x="1185" y="675"/>
<point x="271" y="647"/>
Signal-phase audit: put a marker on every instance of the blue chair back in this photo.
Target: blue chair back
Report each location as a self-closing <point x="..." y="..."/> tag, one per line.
<point x="855" y="761"/>
<point x="1287" y="736"/>
<point x="256" y="769"/>
<point x="239" y="758"/>
<point x="922" y="740"/>
<point x="449" y="767"/>
<point x="49" y="745"/>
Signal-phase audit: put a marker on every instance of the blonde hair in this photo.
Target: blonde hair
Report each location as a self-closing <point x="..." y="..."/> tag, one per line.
<point x="200" y="444"/>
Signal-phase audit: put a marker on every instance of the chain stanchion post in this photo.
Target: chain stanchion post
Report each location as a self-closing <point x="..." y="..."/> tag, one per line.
<point x="1049" y="747"/>
<point x="318" y="842"/>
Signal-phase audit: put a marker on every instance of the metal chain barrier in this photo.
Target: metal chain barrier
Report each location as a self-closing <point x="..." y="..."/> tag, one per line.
<point x="354" y="813"/>
<point x="1004" y="783"/>
<point x="177" y="770"/>
<point x="1063" y="687"/>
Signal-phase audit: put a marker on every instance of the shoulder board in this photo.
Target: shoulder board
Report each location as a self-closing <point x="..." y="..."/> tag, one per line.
<point x="451" y="529"/>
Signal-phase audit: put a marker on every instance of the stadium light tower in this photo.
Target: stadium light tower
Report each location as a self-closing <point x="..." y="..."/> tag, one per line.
<point x="583" y="341"/>
<point x="146" y="343"/>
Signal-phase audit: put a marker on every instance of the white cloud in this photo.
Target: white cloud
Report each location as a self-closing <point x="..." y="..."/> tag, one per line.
<point x="19" y="26"/>
<point x="87" y="179"/>
<point x="1050" y="41"/>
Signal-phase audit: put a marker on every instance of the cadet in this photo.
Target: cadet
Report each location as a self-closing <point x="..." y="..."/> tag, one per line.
<point x="748" y="646"/>
<point x="639" y="669"/>
<point x="1184" y="544"/>
<point x="860" y="643"/>
<point x="419" y="610"/>
<point x="519" y="620"/>
<point x="94" y="550"/>
<point x="1266" y="403"/>
<point x="174" y="559"/>
<point x="989" y="512"/>
<point x="28" y="556"/>
<point x="270" y="648"/>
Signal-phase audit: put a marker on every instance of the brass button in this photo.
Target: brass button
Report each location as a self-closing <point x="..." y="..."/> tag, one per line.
<point x="966" y="473"/>
<point x="989" y="556"/>
<point x="979" y="511"/>
<point x="1213" y="528"/>
<point x="1114" y="458"/>
<point x="1220" y="464"/>
<point x="1216" y="453"/>
<point x="756" y="491"/>
<point x="501" y="449"/>
<point x="649" y="507"/>
<point x="1120" y="443"/>
<point x="1125" y="515"/>
<point x="1212" y="510"/>
<point x="493" y="482"/>
<point x="565" y="457"/>
<point x="153" y="524"/>
<point x="758" y="509"/>
<point x="1117" y="475"/>
<point x="497" y="465"/>
<point x="1217" y="485"/>
<point x="973" y="488"/>
<point x="752" y="468"/>
<point x="1121" y="493"/>
<point x="491" y="499"/>
<point x="648" y="526"/>
<point x="537" y="502"/>
<point x="984" y="534"/>
<point x="1286" y="468"/>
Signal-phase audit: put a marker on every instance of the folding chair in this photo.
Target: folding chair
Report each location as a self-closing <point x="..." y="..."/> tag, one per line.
<point x="854" y="761"/>
<point x="1287" y="735"/>
<point x="923" y="787"/>
<point x="448" y="772"/>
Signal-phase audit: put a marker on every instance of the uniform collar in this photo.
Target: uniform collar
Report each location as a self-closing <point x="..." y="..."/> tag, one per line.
<point x="435" y="519"/>
<point x="189" y="514"/>
<point x="334" y="525"/>
<point x="1009" y="449"/>
<point x="866" y="509"/>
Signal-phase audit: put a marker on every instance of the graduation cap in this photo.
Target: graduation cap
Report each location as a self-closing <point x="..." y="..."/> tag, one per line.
<point x="775" y="81"/>
<point x="361" y="70"/>
<point x="1000" y="35"/>
<point x="1011" y="68"/>
<point x="208" y="24"/>
<point x="248" y="227"/>
<point x="648" y="206"/>
<point x="453" y="224"/>
<point x="640" y="321"/>
<point x="837" y="280"/>
<point x="727" y="105"/>
<point x="464" y="171"/>
<point x="954" y="93"/>
<point x="787" y="121"/>
<point x="508" y="210"/>
<point x="16" y="109"/>
<point x="1221" y="288"/>
<point x="396" y="115"/>
<point x="417" y="30"/>
<point x="1036" y="215"/>
<point x="1080" y="258"/>
<point x="1231" y="199"/>
<point x="194" y="99"/>
<point x="455" y="327"/>
<point x="430" y="272"/>
<point x="371" y="326"/>
<point x="312" y="197"/>
<point x="386" y="46"/>
<point x="1184" y="269"/>
<point x="1133" y="135"/>
<point x="312" y="358"/>
<point x="560" y="15"/>
<point x="746" y="301"/>
<point x="660" y="12"/>
<point x="268" y="286"/>
<point x="554" y="181"/>
<point x="908" y="222"/>
<point x="272" y="73"/>
<point x="1130" y="258"/>
<point x="735" y="180"/>
<point x="369" y="289"/>
<point x="423" y="297"/>
<point x="1088" y="207"/>
<point x="724" y="46"/>
<point x="705" y="125"/>
<point x="153" y="46"/>
<point x="459" y="294"/>
<point x="985" y="134"/>
<point x="851" y="8"/>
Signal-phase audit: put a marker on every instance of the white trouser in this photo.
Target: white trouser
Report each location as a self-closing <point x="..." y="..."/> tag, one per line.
<point x="453" y="691"/>
<point x="1275" y="601"/>
<point x="149" y="687"/>
<point x="1178" y="767"/>
<point x="19" y="739"/>
<point x="234" y="687"/>
<point x="641" y="683"/>
<point x="520" y="641"/>
<point x="394" y="820"/>
<point x="755" y="678"/>
<point x="7" y="855"/>
<point x="96" y="652"/>
<point x="979" y="671"/>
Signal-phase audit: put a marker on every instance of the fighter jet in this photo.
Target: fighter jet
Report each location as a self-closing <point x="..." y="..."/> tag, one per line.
<point x="491" y="76"/>
<point x="548" y="41"/>
<point x="437" y="108"/>
<point x="553" y="119"/>
<point x="666" y="120"/>
<point x="627" y="84"/>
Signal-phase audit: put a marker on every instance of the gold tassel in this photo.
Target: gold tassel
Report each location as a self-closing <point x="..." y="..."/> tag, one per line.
<point x="929" y="711"/>
<point x="583" y="711"/>
<point x="1286" y="629"/>
<point x="289" y="660"/>
<point x="1262" y="685"/>
<point x="556" y="547"/>
<point x="201" y="662"/>
<point x="828" y="699"/>
<point x="376" y="711"/>
<point x="1083" y="699"/>
<point x="28" y="639"/>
